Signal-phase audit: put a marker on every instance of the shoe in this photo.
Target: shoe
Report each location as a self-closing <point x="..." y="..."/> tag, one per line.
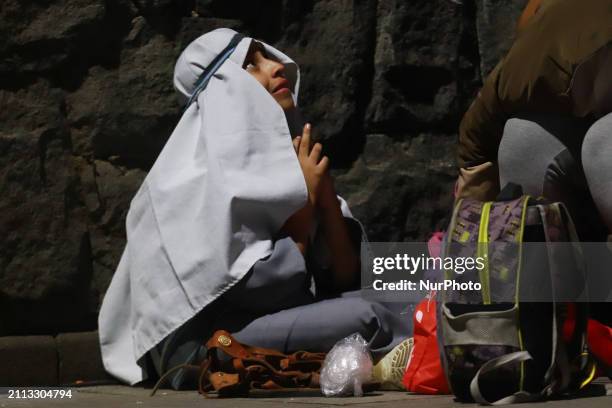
<point x="389" y="371"/>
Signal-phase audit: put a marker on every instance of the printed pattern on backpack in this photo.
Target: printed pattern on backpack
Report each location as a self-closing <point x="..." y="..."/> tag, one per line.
<point x="487" y="338"/>
<point x="492" y="231"/>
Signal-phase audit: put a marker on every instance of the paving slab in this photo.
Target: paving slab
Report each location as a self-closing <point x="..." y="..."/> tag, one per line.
<point x="123" y="396"/>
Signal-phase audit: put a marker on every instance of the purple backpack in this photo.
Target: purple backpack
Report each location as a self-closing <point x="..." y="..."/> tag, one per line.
<point x="498" y="344"/>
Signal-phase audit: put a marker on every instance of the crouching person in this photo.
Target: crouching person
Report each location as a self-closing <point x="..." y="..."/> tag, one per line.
<point x="543" y="118"/>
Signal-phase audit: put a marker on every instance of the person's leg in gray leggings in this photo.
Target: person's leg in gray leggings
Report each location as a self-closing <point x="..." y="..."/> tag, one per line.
<point x="566" y="160"/>
<point x="597" y="159"/>
<point x="542" y="153"/>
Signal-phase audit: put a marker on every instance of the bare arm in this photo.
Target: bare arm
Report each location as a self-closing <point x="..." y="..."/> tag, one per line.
<point x="298" y="226"/>
<point x="314" y="168"/>
<point x="345" y="259"/>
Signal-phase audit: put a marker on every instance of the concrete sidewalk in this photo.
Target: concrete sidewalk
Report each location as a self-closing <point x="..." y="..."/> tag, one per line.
<point x="123" y="396"/>
<point x="74" y="357"/>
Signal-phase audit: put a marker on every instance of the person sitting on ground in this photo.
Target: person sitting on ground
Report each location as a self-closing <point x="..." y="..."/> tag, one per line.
<point x="233" y="224"/>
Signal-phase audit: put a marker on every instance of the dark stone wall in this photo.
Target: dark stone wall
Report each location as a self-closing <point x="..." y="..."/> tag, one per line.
<point x="86" y="105"/>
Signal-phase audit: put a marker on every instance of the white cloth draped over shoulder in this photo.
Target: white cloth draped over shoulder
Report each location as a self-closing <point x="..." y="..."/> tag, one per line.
<point x="222" y="187"/>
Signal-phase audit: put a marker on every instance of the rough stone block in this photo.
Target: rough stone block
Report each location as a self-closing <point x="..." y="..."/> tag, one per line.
<point x="79" y="358"/>
<point x="415" y="80"/>
<point x="28" y="361"/>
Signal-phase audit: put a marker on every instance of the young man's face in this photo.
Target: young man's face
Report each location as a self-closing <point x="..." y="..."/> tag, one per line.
<point x="270" y="73"/>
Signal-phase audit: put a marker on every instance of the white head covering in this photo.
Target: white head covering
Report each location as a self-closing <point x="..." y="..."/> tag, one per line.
<point x="224" y="184"/>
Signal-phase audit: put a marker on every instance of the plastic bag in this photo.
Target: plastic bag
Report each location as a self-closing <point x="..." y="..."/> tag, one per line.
<point x="346" y="367"/>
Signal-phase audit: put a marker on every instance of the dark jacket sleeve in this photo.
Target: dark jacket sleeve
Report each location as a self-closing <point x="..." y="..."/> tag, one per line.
<point x="480" y="132"/>
<point x="482" y="125"/>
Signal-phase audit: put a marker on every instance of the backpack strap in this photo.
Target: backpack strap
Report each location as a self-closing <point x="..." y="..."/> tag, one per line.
<point x="559" y="226"/>
<point x="554" y="232"/>
<point x="574" y="380"/>
<point x="494" y="364"/>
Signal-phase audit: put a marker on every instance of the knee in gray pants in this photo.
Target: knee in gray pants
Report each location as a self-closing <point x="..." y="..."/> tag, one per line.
<point x="525" y="153"/>
<point x="377" y="324"/>
<point x="542" y="153"/>
<point x="509" y="156"/>
<point x="597" y="159"/>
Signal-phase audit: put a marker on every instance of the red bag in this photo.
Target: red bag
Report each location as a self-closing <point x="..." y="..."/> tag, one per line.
<point x="424" y="373"/>
<point x="600" y="342"/>
<point x="599" y="338"/>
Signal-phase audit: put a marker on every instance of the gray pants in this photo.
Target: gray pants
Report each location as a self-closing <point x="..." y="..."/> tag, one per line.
<point x="273" y="306"/>
<point x="563" y="159"/>
<point x="315" y="326"/>
<point x="567" y="160"/>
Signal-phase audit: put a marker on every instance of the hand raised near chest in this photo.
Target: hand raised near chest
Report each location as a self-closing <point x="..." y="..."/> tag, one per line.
<point x="313" y="164"/>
